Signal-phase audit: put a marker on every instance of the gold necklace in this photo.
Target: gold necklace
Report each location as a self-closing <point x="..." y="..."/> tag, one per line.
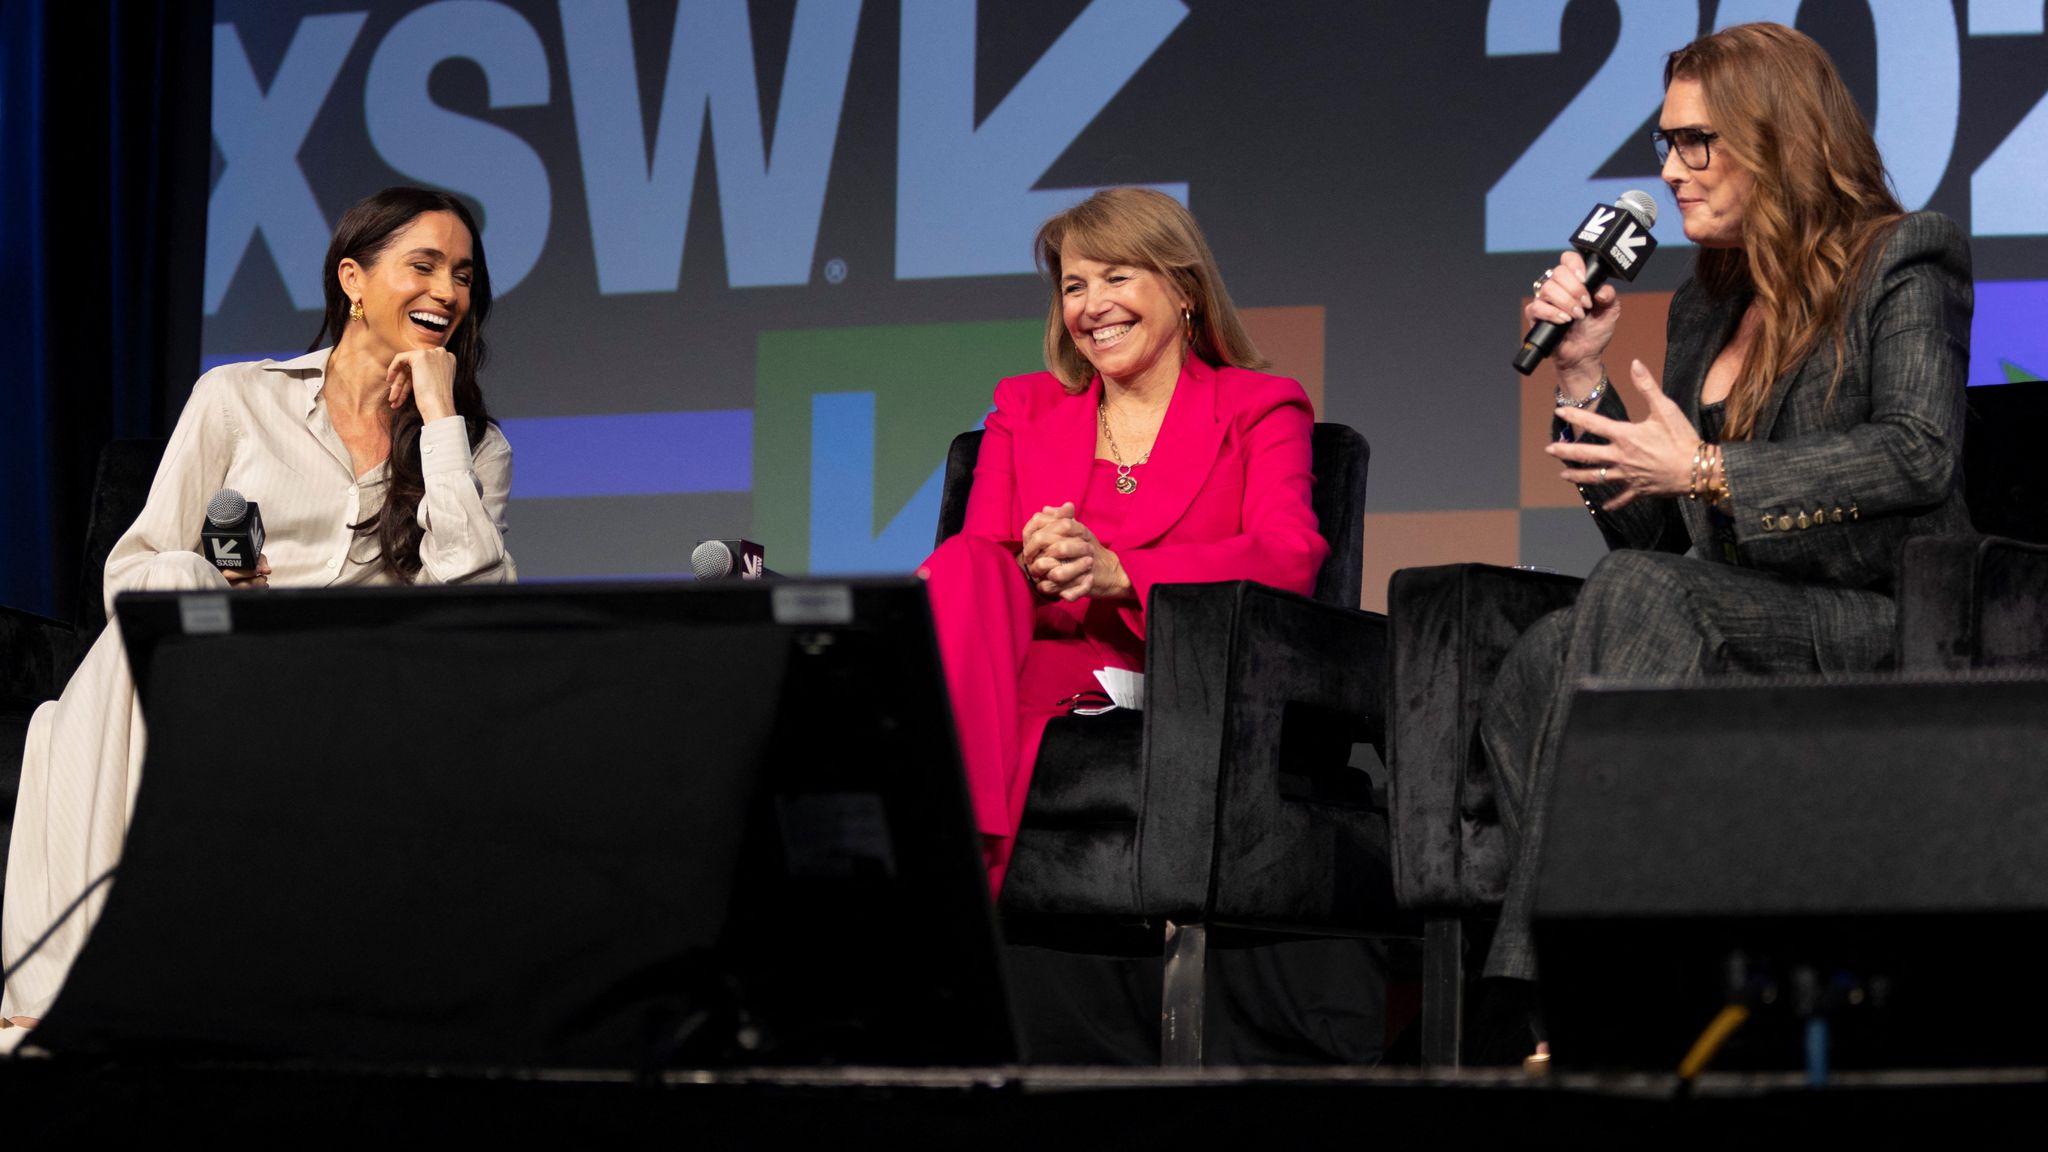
<point x="1125" y="482"/>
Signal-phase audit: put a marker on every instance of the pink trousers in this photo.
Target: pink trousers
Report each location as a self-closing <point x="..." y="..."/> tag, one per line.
<point x="1013" y="661"/>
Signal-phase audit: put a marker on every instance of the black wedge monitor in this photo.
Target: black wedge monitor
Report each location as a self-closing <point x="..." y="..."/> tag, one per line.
<point x="1849" y="864"/>
<point x="594" y="826"/>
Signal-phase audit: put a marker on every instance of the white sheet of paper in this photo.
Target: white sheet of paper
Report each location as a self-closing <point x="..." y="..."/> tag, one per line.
<point x="1125" y="687"/>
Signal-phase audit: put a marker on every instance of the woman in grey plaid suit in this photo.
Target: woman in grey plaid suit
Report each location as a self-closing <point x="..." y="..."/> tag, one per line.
<point x="1809" y="420"/>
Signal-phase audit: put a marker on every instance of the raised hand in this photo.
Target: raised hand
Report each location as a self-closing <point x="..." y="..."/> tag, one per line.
<point x="1648" y="456"/>
<point x="430" y="374"/>
<point x="1561" y="298"/>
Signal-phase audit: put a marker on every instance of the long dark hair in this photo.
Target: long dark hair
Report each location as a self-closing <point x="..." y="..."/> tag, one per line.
<point x="365" y="231"/>
<point x="1818" y="206"/>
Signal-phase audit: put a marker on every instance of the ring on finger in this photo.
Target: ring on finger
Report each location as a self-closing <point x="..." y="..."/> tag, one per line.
<point x="1537" y="284"/>
<point x="1603" y="473"/>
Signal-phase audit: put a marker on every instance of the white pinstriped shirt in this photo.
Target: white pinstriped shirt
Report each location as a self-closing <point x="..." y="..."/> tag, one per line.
<point x="262" y="429"/>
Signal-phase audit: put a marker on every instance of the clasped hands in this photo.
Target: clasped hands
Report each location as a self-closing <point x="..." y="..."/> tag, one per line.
<point x="1063" y="558"/>
<point x="1651" y="455"/>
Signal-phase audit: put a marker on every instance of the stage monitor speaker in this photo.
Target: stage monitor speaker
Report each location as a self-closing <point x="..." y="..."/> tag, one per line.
<point x="1870" y="857"/>
<point x="621" y="827"/>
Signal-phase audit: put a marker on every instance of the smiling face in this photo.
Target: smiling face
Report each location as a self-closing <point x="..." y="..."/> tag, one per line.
<point x="1711" y="200"/>
<point x="1126" y="320"/>
<point x="416" y="292"/>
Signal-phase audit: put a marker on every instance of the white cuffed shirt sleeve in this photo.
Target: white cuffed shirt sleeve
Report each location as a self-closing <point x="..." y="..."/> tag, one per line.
<point x="463" y="511"/>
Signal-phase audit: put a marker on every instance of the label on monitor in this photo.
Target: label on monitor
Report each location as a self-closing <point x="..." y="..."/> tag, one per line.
<point x="812" y="604"/>
<point x="205" y="614"/>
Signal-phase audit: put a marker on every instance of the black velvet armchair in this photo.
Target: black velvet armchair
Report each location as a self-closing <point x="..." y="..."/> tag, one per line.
<point x="37" y="654"/>
<point x="1229" y="801"/>
<point x="1964" y="602"/>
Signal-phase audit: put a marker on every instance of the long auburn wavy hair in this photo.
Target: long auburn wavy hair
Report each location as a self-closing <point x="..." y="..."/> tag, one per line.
<point x="1140" y="228"/>
<point x="365" y="231"/>
<point x="1820" y="201"/>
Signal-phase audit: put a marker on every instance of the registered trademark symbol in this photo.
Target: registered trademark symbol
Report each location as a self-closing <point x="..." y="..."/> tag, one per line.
<point x="835" y="271"/>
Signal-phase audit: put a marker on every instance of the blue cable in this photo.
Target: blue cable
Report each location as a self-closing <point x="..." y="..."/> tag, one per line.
<point x="1816" y="1051"/>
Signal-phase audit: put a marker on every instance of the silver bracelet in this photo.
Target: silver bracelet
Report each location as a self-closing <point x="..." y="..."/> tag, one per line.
<point x="1592" y="398"/>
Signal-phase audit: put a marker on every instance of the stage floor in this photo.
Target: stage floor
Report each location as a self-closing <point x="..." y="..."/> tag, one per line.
<point x="1023" y="1107"/>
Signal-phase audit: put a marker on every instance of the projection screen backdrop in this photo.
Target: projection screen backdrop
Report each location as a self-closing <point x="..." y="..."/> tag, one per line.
<point x="757" y="263"/>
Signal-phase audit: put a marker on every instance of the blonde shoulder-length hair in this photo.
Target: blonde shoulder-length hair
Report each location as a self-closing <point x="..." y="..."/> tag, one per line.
<point x="1140" y="228"/>
<point x="1816" y="210"/>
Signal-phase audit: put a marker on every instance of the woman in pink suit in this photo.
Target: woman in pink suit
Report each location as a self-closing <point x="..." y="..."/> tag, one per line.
<point x="1150" y="453"/>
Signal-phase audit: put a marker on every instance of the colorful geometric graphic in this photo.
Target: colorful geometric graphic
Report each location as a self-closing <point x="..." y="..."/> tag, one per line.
<point x="851" y="427"/>
<point x="2009" y="332"/>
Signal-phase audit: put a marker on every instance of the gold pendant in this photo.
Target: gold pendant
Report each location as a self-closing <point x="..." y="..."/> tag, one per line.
<point x="1126" y="484"/>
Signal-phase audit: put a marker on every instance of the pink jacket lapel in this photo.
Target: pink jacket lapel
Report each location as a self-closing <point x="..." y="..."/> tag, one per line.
<point x="1053" y="456"/>
<point x="1182" y="458"/>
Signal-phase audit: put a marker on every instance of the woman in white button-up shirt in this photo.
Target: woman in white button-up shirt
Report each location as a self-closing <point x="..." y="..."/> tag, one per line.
<point x="374" y="461"/>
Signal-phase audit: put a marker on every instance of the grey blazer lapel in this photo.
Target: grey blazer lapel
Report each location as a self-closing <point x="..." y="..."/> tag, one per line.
<point x="1693" y="345"/>
<point x="1819" y="363"/>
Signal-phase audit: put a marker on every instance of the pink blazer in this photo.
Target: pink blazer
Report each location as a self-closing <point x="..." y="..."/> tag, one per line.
<point x="1225" y="496"/>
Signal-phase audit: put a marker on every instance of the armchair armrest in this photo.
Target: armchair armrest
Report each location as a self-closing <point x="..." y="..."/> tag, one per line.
<point x="36" y="655"/>
<point x="1449" y="629"/>
<point x="1250" y="690"/>
<point x="1972" y="602"/>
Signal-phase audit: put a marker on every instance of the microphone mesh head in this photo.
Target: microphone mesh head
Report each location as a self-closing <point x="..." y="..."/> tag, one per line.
<point x="711" y="560"/>
<point x="227" y="507"/>
<point x="1639" y="205"/>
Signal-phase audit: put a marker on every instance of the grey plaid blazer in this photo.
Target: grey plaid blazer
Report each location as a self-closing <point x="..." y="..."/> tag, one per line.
<point x="1828" y="490"/>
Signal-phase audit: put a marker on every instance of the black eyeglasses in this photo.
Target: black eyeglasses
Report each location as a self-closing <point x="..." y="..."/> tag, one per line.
<point x="1695" y="146"/>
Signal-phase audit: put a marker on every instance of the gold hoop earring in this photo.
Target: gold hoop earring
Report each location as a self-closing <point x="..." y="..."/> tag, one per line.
<point x="355" y="309"/>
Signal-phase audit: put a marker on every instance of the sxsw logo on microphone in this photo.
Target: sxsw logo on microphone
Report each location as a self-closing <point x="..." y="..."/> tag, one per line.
<point x="1616" y="238"/>
<point x="1589" y="232"/>
<point x="1628" y="246"/>
<point x="751" y="566"/>
<point x="227" y="553"/>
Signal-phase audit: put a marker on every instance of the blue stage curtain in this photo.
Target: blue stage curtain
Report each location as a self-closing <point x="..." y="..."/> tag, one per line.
<point x="105" y="158"/>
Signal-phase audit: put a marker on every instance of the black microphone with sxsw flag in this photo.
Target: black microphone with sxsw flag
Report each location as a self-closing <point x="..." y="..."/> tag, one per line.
<point x="729" y="560"/>
<point x="233" y="534"/>
<point x="1615" y="240"/>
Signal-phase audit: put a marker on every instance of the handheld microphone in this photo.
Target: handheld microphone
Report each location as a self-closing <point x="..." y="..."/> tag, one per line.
<point x="233" y="534"/>
<point x="729" y="560"/>
<point x="1615" y="240"/>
